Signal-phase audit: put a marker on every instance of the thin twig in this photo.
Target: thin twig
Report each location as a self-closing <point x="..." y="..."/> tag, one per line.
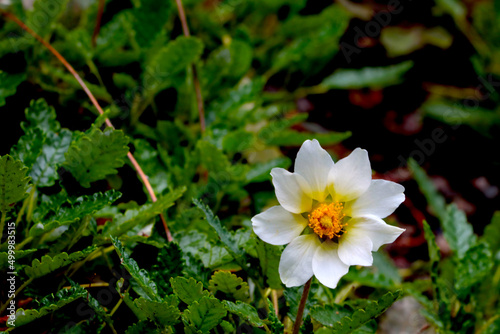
<point x="302" y="304"/>
<point x="97" y="28"/>
<point x="196" y="80"/>
<point x="70" y="68"/>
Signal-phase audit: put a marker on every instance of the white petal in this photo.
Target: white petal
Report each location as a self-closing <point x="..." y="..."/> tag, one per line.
<point x="292" y="190"/>
<point x="276" y="226"/>
<point x="327" y="266"/>
<point x="314" y="164"/>
<point x="381" y="199"/>
<point x="350" y="177"/>
<point x="296" y="260"/>
<point x="379" y="232"/>
<point x="355" y="248"/>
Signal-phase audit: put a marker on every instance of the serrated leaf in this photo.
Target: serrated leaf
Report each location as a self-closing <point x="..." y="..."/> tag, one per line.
<point x="188" y="289"/>
<point x="140" y="276"/>
<point x="375" y="77"/>
<point x="44" y="14"/>
<point x="205" y="314"/>
<point x="244" y="311"/>
<point x="491" y="233"/>
<point x="224" y="235"/>
<point x="212" y="158"/>
<point x="170" y="60"/>
<point x="47" y="264"/>
<point x="19" y="254"/>
<point x="349" y="324"/>
<point x="13" y="182"/>
<point x="434" y="199"/>
<point x="163" y="313"/>
<point x="148" y="20"/>
<point x="457" y="231"/>
<point x="143" y="326"/>
<point x="134" y="217"/>
<point x="473" y="268"/>
<point x="8" y="85"/>
<point x="328" y="315"/>
<point x="170" y="263"/>
<point x="52" y="303"/>
<point x="293" y="138"/>
<point x="81" y="207"/>
<point x="41" y="116"/>
<point x="229" y="284"/>
<point x="275" y="325"/>
<point x="97" y="154"/>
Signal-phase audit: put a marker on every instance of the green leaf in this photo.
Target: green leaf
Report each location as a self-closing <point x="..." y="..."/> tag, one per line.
<point x="8" y="85"/>
<point x="163" y="313"/>
<point x="148" y="21"/>
<point x="434" y="199"/>
<point x="328" y="315"/>
<point x="188" y="289"/>
<point x="140" y="276"/>
<point x="169" y="264"/>
<point x="49" y="264"/>
<point x="492" y="326"/>
<point x="491" y="233"/>
<point x="41" y="116"/>
<point x="44" y="15"/>
<point x="457" y="231"/>
<point x="245" y="311"/>
<point x="205" y="314"/>
<point x="52" y="303"/>
<point x="19" y="254"/>
<point x="473" y="268"/>
<point x="261" y="172"/>
<point x="97" y="154"/>
<point x="13" y="182"/>
<point x="81" y="207"/>
<point x="349" y="324"/>
<point x="374" y="77"/>
<point x="275" y="325"/>
<point x="170" y="60"/>
<point x="314" y="48"/>
<point x="269" y="259"/>
<point x="143" y="326"/>
<point x="456" y="113"/>
<point x="294" y="138"/>
<point x="212" y="158"/>
<point x="229" y="284"/>
<point x="134" y="217"/>
<point x="225" y="236"/>
<point x="44" y="169"/>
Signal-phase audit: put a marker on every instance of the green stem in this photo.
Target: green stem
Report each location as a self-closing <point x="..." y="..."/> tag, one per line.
<point x="24" y="242"/>
<point x="300" y="311"/>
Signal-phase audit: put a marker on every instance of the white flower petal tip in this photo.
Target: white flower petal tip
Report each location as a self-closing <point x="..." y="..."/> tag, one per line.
<point x="314" y="164"/>
<point x="276" y="226"/>
<point x="292" y="190"/>
<point x="351" y="176"/>
<point x="295" y="266"/>
<point x="327" y="266"/>
<point x="380" y="199"/>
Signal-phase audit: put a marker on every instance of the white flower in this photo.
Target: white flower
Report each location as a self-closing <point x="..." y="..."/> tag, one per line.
<point x="342" y="209"/>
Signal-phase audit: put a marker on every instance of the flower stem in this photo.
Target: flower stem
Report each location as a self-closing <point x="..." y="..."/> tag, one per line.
<point x="300" y="311"/>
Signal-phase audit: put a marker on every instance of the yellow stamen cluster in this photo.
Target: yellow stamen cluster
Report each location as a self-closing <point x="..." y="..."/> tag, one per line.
<point x="326" y="220"/>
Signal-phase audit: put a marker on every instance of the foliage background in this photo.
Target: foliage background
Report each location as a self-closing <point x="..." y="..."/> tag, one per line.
<point x="403" y="79"/>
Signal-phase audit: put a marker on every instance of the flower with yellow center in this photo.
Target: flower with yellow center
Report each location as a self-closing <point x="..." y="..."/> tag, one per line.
<point x="330" y="215"/>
